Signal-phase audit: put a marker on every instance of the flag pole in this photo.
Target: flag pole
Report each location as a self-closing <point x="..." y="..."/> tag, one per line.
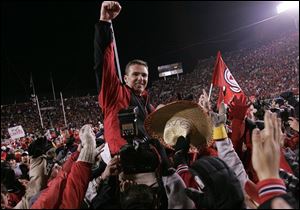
<point x="116" y="54"/>
<point x="63" y="108"/>
<point x="32" y="83"/>
<point x="210" y="90"/>
<point x="38" y="105"/>
<point x="52" y="86"/>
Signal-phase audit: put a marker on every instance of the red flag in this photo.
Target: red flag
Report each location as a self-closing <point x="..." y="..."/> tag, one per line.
<point x="222" y="77"/>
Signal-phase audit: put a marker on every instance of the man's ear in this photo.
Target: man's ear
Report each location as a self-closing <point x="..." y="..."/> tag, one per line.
<point x="125" y="78"/>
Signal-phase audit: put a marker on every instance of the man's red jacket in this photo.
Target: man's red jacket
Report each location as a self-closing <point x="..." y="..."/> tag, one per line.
<point x="113" y="95"/>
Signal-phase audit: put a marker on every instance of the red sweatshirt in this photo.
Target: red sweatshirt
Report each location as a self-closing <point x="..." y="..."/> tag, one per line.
<point x="115" y="96"/>
<point x="68" y="189"/>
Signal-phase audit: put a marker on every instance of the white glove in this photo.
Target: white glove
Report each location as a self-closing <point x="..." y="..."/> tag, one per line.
<point x="88" y="142"/>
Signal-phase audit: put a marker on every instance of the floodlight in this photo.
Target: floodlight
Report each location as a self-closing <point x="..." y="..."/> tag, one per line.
<point x="287" y="5"/>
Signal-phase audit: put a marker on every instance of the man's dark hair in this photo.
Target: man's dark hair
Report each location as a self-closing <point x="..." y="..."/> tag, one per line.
<point x="137" y="197"/>
<point x="10" y="156"/>
<point x="133" y="62"/>
<point x="147" y="160"/>
<point x="9" y="180"/>
<point x="39" y="147"/>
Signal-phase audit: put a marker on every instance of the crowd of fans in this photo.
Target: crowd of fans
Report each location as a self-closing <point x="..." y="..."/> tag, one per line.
<point x="87" y="181"/>
<point x="263" y="71"/>
<point x="78" y="111"/>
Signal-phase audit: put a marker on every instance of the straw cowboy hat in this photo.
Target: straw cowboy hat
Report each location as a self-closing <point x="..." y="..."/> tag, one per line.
<point x="180" y="118"/>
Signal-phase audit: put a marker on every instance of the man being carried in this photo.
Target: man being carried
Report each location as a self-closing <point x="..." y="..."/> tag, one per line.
<point x="114" y="96"/>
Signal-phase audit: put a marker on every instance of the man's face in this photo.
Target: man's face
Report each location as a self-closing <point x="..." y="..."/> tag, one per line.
<point x="137" y="78"/>
<point x="12" y="163"/>
<point x="25" y="159"/>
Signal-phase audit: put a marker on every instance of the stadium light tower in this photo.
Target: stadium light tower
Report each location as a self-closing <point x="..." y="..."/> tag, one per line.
<point x="287" y="5"/>
<point x="292" y="6"/>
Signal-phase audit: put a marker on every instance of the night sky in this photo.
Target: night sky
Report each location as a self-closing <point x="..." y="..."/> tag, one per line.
<point x="54" y="36"/>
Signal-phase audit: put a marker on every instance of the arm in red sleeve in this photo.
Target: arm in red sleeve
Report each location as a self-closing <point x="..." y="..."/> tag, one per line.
<point x="238" y="128"/>
<point x="237" y="112"/>
<point x="69" y="162"/>
<point x="104" y="61"/>
<point x="76" y="186"/>
<point x="50" y="198"/>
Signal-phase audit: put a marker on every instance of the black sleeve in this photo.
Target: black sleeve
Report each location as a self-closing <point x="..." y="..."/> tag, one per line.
<point x="102" y="38"/>
<point x="99" y="170"/>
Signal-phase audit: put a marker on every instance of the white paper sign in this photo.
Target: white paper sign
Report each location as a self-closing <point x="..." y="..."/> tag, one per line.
<point x="105" y="155"/>
<point x="16" y="132"/>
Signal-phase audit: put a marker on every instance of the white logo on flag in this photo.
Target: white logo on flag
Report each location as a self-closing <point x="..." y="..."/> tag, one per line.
<point x="234" y="86"/>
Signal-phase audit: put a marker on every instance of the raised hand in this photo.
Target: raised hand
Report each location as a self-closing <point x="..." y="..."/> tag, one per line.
<point x="88" y="143"/>
<point x="220" y="117"/>
<point x="181" y="151"/>
<point x="111" y="168"/>
<point x="87" y="136"/>
<point x="237" y="108"/>
<point x="266" y="148"/>
<point x="109" y="10"/>
<point x="204" y="102"/>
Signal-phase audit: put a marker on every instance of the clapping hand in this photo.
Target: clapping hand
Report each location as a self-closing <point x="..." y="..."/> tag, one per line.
<point x="266" y="147"/>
